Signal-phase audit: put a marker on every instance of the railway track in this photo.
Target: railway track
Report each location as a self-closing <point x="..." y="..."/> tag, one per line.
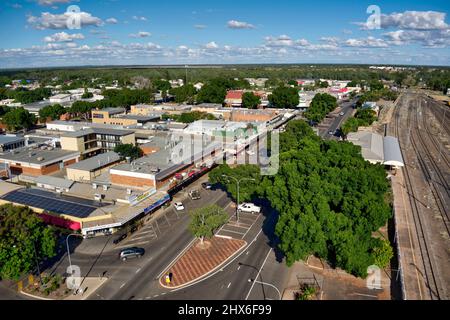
<point x="430" y="277"/>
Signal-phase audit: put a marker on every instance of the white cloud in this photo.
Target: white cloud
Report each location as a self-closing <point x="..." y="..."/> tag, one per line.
<point x="59" y="21"/>
<point x="211" y="45"/>
<point x="280" y="41"/>
<point x="412" y="20"/>
<point x="200" y="26"/>
<point x="432" y="38"/>
<point x="140" y="34"/>
<point x="369" y="42"/>
<point x="139" y="18"/>
<point x="234" y="24"/>
<point x="54" y="2"/>
<point x="112" y="21"/>
<point x="64" y="37"/>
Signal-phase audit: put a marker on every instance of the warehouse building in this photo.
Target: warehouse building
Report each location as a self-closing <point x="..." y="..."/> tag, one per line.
<point x="89" y="169"/>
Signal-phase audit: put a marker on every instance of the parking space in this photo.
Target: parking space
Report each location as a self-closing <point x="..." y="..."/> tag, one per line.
<point x="238" y="229"/>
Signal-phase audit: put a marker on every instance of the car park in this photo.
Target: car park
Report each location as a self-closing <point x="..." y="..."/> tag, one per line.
<point x="129" y="253"/>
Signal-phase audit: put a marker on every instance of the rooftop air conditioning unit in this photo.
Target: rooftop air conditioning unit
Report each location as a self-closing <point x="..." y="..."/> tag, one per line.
<point x="105" y="187"/>
<point x="94" y="186"/>
<point x="40" y="159"/>
<point x="129" y="192"/>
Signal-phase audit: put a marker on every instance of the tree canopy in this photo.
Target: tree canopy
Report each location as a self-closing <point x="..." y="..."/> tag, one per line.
<point x="18" y="118"/>
<point x="54" y="112"/>
<point x="128" y="150"/>
<point x="284" y="97"/>
<point x="204" y="221"/>
<point x="250" y="100"/>
<point x="320" y="106"/>
<point x="22" y="234"/>
<point x="184" y="93"/>
<point x="330" y="199"/>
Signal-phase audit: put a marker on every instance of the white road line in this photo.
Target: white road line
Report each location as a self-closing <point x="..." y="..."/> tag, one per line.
<point x="251" y="226"/>
<point x="139" y="238"/>
<point x="253" y="283"/>
<point x="156" y="295"/>
<point x="365" y="295"/>
<point x="132" y="243"/>
<point x="137" y="271"/>
<point x="163" y="293"/>
<point x="123" y="285"/>
<point x="239" y="267"/>
<point x="229" y="285"/>
<point x="226" y="230"/>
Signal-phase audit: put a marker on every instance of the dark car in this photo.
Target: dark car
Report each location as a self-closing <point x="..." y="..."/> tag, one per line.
<point x="119" y="239"/>
<point x="194" y="194"/>
<point x="207" y="185"/>
<point x="133" y="229"/>
<point x="129" y="253"/>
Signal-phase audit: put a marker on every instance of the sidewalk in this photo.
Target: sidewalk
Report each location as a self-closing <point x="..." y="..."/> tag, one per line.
<point x="198" y="262"/>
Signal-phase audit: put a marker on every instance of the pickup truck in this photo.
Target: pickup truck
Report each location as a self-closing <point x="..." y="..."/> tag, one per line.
<point x="249" y="207"/>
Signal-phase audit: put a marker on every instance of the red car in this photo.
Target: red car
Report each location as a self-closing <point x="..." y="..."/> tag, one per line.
<point x="179" y="176"/>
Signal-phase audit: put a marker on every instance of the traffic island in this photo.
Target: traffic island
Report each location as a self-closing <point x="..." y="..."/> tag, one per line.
<point x="200" y="260"/>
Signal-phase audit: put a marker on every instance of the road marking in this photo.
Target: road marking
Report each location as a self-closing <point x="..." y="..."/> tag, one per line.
<point x="226" y="230"/>
<point x="123" y="285"/>
<point x="365" y="295"/>
<point x="247" y="253"/>
<point x="132" y="243"/>
<point x="137" y="271"/>
<point x="229" y="285"/>
<point x="156" y="295"/>
<point x="148" y="298"/>
<point x="139" y="238"/>
<point x="257" y="218"/>
<point x="253" y="283"/>
<point x="239" y="267"/>
<point x="163" y="293"/>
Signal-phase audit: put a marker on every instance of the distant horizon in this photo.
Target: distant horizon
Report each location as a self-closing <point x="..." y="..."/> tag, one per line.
<point x="211" y="65"/>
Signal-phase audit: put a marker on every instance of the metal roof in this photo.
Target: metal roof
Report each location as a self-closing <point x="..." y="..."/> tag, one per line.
<point x="5" y="139"/>
<point x="96" y="162"/>
<point x="37" y="156"/>
<point x="54" y="182"/>
<point x="392" y="152"/>
<point x="83" y="132"/>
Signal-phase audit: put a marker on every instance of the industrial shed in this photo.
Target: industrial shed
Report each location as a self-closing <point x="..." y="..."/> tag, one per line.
<point x="91" y="168"/>
<point x="378" y="149"/>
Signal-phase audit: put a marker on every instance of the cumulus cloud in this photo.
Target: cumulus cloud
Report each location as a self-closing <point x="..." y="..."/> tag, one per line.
<point x="60" y="21"/>
<point x="433" y="38"/>
<point x="140" y="34"/>
<point x="280" y="41"/>
<point x="412" y="20"/>
<point x="211" y="45"/>
<point x="234" y="24"/>
<point x="112" y="21"/>
<point x="64" y="37"/>
<point x="139" y="18"/>
<point x="369" y="42"/>
<point x="54" y="2"/>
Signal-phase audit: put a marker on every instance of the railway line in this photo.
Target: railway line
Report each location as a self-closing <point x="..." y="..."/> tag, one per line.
<point x="419" y="138"/>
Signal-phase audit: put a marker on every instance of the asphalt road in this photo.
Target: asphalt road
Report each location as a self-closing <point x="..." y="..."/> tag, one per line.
<point x="347" y="108"/>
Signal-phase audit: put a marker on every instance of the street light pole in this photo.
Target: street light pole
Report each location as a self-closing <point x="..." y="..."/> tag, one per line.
<point x="68" y="250"/>
<point x="238" y="181"/>
<point x="266" y="284"/>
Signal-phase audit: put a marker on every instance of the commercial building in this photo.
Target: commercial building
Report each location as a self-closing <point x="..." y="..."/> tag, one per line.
<point x="61" y="98"/>
<point x="89" y="169"/>
<point x="37" y="162"/>
<point x="234" y="98"/>
<point x="11" y="142"/>
<point x="90" y="142"/>
<point x="117" y="116"/>
<point x="158" y="110"/>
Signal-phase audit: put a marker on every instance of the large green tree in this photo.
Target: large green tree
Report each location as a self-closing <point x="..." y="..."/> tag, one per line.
<point x="53" y="112"/>
<point x="284" y="97"/>
<point x="250" y="100"/>
<point x="129" y="150"/>
<point x="204" y="221"/>
<point x="320" y="106"/>
<point x="23" y="238"/>
<point x="18" y="118"/>
<point x="212" y="93"/>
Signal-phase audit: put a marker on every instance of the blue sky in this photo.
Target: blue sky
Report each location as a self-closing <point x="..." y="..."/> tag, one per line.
<point x="34" y="33"/>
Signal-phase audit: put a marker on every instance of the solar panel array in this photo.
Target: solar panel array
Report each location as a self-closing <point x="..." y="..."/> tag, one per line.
<point x="51" y="202"/>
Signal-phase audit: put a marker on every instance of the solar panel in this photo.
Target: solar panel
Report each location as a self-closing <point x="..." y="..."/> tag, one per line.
<point x="48" y="201"/>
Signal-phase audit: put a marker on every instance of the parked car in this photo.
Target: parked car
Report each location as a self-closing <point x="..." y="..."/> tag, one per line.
<point x="178" y="206"/>
<point x="206" y="185"/>
<point x="133" y="229"/>
<point x="120" y="238"/>
<point x="249" y="207"/>
<point x="194" y="194"/>
<point x="128" y="253"/>
<point x="331" y="133"/>
<point x="341" y="114"/>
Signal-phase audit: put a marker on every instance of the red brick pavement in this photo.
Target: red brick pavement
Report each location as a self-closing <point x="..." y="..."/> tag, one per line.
<point x="197" y="262"/>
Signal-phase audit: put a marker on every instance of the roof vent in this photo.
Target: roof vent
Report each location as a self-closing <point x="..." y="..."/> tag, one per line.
<point x="40" y="159"/>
